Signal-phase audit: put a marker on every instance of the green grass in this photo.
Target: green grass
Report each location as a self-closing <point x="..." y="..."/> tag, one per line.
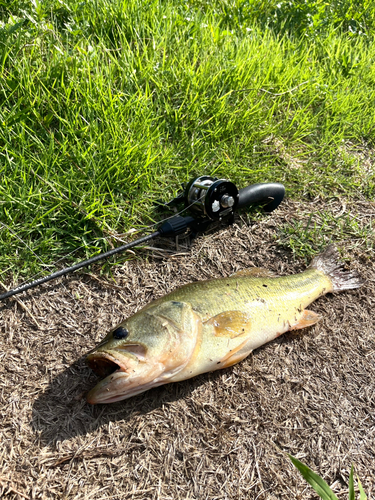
<point x="321" y="487"/>
<point x="310" y="232"/>
<point x="107" y="106"/>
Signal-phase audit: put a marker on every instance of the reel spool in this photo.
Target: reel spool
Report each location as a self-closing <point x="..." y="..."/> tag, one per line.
<point x="211" y="197"/>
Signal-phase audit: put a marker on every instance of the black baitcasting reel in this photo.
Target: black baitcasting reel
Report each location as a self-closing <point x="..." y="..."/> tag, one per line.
<point x="215" y="198"/>
<point x="207" y="198"/>
<point x="210" y="199"/>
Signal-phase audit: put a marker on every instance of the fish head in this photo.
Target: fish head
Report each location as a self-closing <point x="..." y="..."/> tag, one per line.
<point x="144" y="351"/>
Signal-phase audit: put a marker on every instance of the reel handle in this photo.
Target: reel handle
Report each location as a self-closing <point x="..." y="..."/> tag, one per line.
<point x="269" y="194"/>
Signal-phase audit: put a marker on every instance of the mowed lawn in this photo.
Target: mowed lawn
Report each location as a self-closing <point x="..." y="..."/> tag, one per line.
<point x="107" y="106"/>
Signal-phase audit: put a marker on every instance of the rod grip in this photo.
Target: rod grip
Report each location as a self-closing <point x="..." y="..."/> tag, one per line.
<point x="269" y="194"/>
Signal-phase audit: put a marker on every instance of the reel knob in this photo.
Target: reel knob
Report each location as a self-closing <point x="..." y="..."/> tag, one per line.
<point x="212" y="197"/>
<point x="227" y="201"/>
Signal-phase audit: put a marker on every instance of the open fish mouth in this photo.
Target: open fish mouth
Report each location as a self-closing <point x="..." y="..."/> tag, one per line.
<point x="104" y="363"/>
<point x="125" y="372"/>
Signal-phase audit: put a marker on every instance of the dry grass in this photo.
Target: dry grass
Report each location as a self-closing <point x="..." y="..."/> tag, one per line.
<point x="218" y="436"/>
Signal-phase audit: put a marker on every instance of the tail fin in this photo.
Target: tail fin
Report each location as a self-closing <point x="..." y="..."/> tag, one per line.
<point x="328" y="262"/>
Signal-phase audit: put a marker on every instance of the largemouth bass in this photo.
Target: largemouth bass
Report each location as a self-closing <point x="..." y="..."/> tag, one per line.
<point x="209" y="325"/>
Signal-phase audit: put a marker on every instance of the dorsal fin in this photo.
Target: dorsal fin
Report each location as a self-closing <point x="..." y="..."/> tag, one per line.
<point x="255" y="272"/>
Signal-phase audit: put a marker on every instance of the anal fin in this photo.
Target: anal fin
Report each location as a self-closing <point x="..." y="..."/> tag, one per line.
<point x="308" y="318"/>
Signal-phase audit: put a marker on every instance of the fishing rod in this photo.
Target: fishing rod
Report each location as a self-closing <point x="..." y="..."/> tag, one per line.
<point x="208" y="198"/>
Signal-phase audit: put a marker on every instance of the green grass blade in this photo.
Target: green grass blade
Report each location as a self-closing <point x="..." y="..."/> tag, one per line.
<point x="315" y="481"/>
<point x="351" y="485"/>
<point x="363" y="495"/>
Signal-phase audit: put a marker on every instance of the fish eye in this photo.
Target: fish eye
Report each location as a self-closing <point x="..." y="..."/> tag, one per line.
<point x="120" y="333"/>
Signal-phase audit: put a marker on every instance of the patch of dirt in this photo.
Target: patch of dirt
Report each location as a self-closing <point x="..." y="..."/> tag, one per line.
<point x="363" y="155"/>
<point x="221" y="435"/>
<point x="292" y="159"/>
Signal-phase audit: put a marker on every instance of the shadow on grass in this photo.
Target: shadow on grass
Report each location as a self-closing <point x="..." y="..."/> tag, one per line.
<point x="62" y="411"/>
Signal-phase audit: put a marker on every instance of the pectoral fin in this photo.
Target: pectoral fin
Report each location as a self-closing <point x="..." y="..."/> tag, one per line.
<point x="308" y="318"/>
<point x="230" y="324"/>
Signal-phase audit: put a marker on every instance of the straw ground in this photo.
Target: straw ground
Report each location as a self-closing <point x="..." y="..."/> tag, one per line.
<point x="218" y="436"/>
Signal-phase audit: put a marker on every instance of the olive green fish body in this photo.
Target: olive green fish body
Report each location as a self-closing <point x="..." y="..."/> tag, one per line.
<point x="241" y="313"/>
<point x="209" y="325"/>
